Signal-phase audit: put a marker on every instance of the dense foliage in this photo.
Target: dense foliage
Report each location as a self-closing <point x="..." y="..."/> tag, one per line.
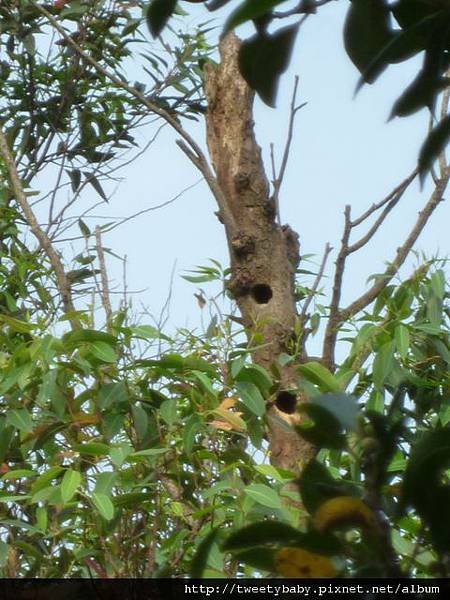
<point x="128" y="452"/>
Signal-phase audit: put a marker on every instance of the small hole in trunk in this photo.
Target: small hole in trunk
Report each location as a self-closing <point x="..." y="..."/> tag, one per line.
<point x="261" y="293"/>
<point x="286" y="402"/>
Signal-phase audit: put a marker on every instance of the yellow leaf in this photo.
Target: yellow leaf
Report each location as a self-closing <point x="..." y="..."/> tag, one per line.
<point x="300" y="563"/>
<point x="343" y="510"/>
<point x="227" y="403"/>
<point x="231" y="417"/>
<point x="222" y="425"/>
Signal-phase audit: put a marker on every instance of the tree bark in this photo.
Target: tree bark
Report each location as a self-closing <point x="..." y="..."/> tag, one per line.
<point x="264" y="255"/>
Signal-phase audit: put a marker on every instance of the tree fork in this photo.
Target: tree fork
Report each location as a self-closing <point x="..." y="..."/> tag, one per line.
<point x="263" y="254"/>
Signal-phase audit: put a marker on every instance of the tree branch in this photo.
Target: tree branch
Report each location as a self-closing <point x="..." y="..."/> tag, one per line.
<point x="333" y="318"/>
<point x="402" y="253"/>
<point x="195" y="153"/>
<point x="104" y="291"/>
<point x="45" y="243"/>
<point x="278" y="180"/>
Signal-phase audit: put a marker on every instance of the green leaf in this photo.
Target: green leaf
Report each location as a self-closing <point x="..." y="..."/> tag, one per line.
<point x="46" y="478"/>
<point x="263" y="494"/>
<point x="86" y="232"/>
<point x="326" y="432"/>
<point x="3" y="553"/>
<point x="104" y="505"/>
<point x="168" y="411"/>
<point x="92" y="449"/>
<point x="112" y="394"/>
<point x="248" y="11"/>
<point x="317" y="485"/>
<point x="69" y="485"/>
<point x="383" y="364"/>
<point x="251" y="397"/>
<point x="423" y="487"/>
<point x="104" y="482"/>
<point x="263" y="58"/>
<point x="119" y="454"/>
<point x="92" y="179"/>
<point x="367" y="31"/>
<point x="41" y="518"/>
<point x="158" y="13"/>
<point x="321" y="376"/>
<point x="257" y="375"/>
<point x="149" y="452"/>
<point x="75" y="338"/>
<point x="191" y="428"/>
<point x="342" y="406"/>
<point x="262" y="559"/>
<point x="21" y="419"/>
<point x="402" y="340"/>
<point x="265" y="532"/>
<point x="433" y="146"/>
<point x="200" y="560"/>
<point x="75" y="180"/>
<point x="103" y="352"/>
<point x="421" y="93"/>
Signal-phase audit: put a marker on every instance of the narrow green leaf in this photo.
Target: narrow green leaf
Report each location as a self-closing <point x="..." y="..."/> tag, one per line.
<point x="69" y="485"/>
<point x="263" y="494"/>
<point x="21" y="419"/>
<point x="104" y="505"/>
<point x="434" y="145"/>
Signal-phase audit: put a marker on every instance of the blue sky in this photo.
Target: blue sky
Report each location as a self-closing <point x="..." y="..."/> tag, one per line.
<point x="344" y="152"/>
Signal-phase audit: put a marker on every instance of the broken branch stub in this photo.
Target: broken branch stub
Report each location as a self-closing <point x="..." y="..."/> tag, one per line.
<point x="264" y="256"/>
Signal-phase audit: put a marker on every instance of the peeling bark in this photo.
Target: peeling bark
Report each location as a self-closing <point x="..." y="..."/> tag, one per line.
<point x="263" y="255"/>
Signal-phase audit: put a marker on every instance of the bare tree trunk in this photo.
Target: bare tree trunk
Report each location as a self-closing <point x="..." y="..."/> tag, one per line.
<point x="263" y="254"/>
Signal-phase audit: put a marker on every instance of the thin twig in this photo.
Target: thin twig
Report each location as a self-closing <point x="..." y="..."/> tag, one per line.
<point x="104" y="291"/>
<point x="402" y="253"/>
<point x="62" y="280"/>
<point x="278" y="180"/>
<point x="395" y="198"/>
<point x="395" y="192"/>
<point x="317" y="281"/>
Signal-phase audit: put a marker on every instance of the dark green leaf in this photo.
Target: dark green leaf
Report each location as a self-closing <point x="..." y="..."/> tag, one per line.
<point x="367" y="31"/>
<point x="433" y="146"/>
<point x="158" y="14"/>
<point x="265" y="532"/>
<point x="317" y="485"/>
<point x="200" y="559"/>
<point x="248" y="11"/>
<point x="263" y="58"/>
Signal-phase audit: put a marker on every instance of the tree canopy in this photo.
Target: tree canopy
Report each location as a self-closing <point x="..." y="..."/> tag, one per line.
<point x="128" y="451"/>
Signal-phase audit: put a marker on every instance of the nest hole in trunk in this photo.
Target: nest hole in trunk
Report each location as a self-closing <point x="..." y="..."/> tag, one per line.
<point x="261" y="293"/>
<point x="286" y="402"/>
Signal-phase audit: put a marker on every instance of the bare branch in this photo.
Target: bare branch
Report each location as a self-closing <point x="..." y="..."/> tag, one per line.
<point x="395" y="192"/>
<point x="278" y="180"/>
<point x="402" y="253"/>
<point x="62" y="280"/>
<point x="394" y="199"/>
<point x="317" y="281"/>
<point x="333" y="319"/>
<point x="104" y="291"/>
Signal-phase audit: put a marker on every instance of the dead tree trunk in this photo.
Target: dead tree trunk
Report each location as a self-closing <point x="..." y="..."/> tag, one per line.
<point x="263" y="254"/>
